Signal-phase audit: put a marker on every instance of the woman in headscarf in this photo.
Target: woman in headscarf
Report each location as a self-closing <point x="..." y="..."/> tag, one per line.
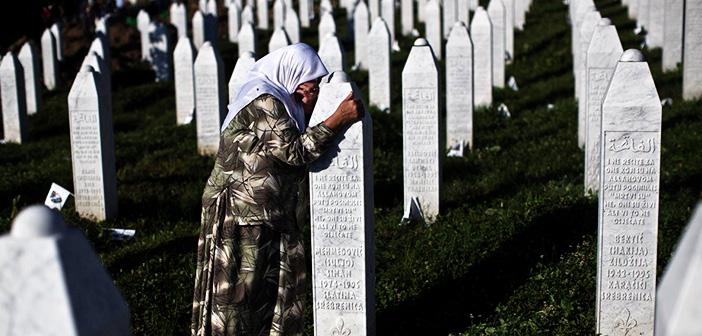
<point x="250" y="277"/>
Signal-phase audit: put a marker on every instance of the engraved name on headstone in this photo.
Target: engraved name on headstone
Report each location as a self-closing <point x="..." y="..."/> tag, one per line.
<point x="459" y="90"/>
<point x="629" y="200"/>
<point x="184" y="81"/>
<point x="602" y="56"/>
<point x="14" y="101"/>
<point x="421" y="118"/>
<point x="692" y="58"/>
<point x="210" y="99"/>
<point x="341" y="214"/>
<point x="481" y="32"/>
<point x="92" y="146"/>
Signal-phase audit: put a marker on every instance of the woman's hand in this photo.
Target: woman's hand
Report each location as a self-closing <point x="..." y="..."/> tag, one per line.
<point x="349" y="111"/>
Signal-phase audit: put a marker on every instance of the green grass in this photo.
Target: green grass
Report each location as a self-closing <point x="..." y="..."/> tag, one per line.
<point x="513" y="252"/>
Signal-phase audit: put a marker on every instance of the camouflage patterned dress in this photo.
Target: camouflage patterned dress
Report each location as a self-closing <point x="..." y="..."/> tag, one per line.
<point x="250" y="277"/>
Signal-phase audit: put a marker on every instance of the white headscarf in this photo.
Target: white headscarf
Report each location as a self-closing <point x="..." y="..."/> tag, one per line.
<point x="279" y="73"/>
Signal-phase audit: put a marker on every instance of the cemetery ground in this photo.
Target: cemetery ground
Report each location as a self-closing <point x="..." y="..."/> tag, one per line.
<point x="512" y="253"/>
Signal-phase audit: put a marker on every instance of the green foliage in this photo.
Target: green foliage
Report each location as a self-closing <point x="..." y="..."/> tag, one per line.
<point x="512" y="253"/>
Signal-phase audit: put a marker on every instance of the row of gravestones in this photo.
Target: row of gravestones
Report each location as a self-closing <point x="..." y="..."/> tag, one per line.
<point x="620" y="127"/>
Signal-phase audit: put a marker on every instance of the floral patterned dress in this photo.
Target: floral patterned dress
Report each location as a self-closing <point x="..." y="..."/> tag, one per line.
<point x="250" y="277"/>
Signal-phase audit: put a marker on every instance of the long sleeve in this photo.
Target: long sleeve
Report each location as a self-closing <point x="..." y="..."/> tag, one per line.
<point x="281" y="138"/>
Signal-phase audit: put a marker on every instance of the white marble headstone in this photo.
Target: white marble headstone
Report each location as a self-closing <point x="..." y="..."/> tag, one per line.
<point x="241" y="68"/>
<point x="278" y="40"/>
<point x="49" y="60"/>
<point x="421" y="117"/>
<point x="247" y="15"/>
<point x="326" y="6"/>
<point x="360" y="33"/>
<point x="247" y="39"/>
<point x="459" y="90"/>
<point x="234" y="22"/>
<point x="327" y="27"/>
<point x="183" y="59"/>
<point x="677" y="299"/>
<point x="341" y="215"/>
<point x="481" y="33"/>
<point x="449" y="15"/>
<point x="656" y="17"/>
<point x="143" y="22"/>
<point x="602" y="56"/>
<point x="587" y="28"/>
<point x="379" y="65"/>
<point x="14" y="101"/>
<point x="212" y="8"/>
<point x="629" y="200"/>
<point x="210" y="99"/>
<point x="292" y="25"/>
<point x="509" y="27"/>
<point x="262" y="14"/>
<point x="199" y="29"/>
<point x="672" y="34"/>
<point x="407" y="17"/>
<point x="46" y="262"/>
<point x="30" y="64"/>
<point x="179" y="19"/>
<point x="463" y="11"/>
<point x="305" y="12"/>
<point x="278" y="14"/>
<point x="374" y="9"/>
<point x="692" y="58"/>
<point x="332" y="54"/>
<point x="642" y="11"/>
<point x="159" y="51"/>
<point x="92" y="146"/>
<point x="519" y="14"/>
<point x="496" y="12"/>
<point x="388" y="13"/>
<point x="432" y="25"/>
<point x="57" y="31"/>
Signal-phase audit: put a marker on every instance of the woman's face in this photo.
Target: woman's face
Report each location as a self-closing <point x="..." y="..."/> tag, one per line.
<point x="307" y="93"/>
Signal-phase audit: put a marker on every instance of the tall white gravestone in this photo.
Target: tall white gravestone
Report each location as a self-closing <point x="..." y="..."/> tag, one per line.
<point x="421" y="117"/>
<point x="199" y="29"/>
<point x="179" y="18"/>
<point x="234" y="22"/>
<point x="57" y="31"/>
<point x="450" y="15"/>
<point x="305" y="12"/>
<point x="92" y="146"/>
<point x="406" y="16"/>
<point x="184" y="81"/>
<point x="360" y="35"/>
<point x="656" y="17"/>
<point x="332" y="54"/>
<point x="143" y="22"/>
<point x="247" y="39"/>
<point x="292" y="25"/>
<point x="432" y="25"/>
<point x="388" y="14"/>
<point x="241" y="68"/>
<point x="643" y="14"/>
<point x="262" y="14"/>
<point x="278" y="40"/>
<point x="519" y="14"/>
<point x="692" y="58"/>
<point x="463" y="11"/>
<point x="628" y="209"/>
<point x="341" y="214"/>
<point x="247" y="15"/>
<point x="46" y="261"/>
<point x="374" y="9"/>
<point x="672" y="34"/>
<point x="327" y="27"/>
<point x="587" y="28"/>
<point x="459" y="90"/>
<point x="496" y="12"/>
<point x="379" y="65"/>
<point x="602" y="56"/>
<point x="677" y="301"/>
<point x="30" y="64"/>
<point x="278" y="14"/>
<point x="210" y="99"/>
<point x="49" y="60"/>
<point x="14" y="101"/>
<point x="481" y="32"/>
<point x="509" y="27"/>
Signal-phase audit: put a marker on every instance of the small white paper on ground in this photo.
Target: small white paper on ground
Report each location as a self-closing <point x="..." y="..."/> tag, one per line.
<point x="56" y="197"/>
<point x="121" y="234"/>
